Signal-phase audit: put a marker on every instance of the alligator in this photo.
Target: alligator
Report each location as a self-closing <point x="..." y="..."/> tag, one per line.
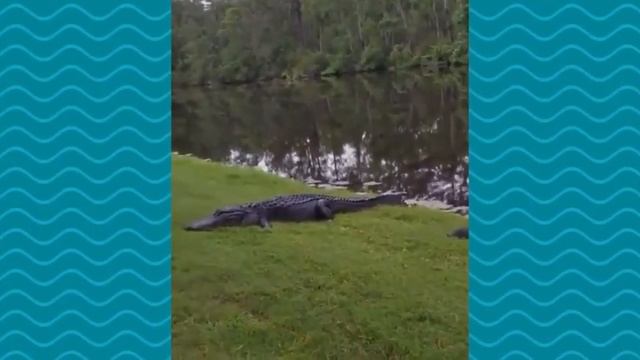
<point x="291" y="208"/>
<point x="460" y="233"/>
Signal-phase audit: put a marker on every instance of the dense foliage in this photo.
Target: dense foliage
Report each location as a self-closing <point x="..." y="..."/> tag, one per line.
<point x="247" y="40"/>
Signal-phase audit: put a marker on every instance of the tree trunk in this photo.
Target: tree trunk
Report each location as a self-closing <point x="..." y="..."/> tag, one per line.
<point x="359" y="21"/>
<point x="349" y="33"/>
<point x="449" y="20"/>
<point x="296" y="17"/>
<point x="437" y="18"/>
<point x="402" y="14"/>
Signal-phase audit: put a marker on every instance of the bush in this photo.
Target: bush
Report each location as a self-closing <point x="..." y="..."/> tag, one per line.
<point x="372" y="58"/>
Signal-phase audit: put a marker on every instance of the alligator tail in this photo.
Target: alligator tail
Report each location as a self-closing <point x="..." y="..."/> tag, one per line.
<point x="389" y="199"/>
<point x="349" y="205"/>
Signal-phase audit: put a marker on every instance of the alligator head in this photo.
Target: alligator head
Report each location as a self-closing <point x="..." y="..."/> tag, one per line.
<point x="230" y="216"/>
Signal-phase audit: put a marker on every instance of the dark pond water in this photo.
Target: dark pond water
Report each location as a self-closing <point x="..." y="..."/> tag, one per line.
<point x="382" y="132"/>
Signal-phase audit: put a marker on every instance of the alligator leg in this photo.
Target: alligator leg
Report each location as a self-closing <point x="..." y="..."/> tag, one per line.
<point x="264" y="222"/>
<point x="323" y="211"/>
<point x="256" y="218"/>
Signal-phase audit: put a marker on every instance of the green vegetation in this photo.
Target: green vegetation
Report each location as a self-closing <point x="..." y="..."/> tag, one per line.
<point x="380" y="284"/>
<point x="247" y="40"/>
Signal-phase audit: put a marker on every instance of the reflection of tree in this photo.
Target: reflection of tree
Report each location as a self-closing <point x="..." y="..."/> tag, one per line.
<point x="404" y="131"/>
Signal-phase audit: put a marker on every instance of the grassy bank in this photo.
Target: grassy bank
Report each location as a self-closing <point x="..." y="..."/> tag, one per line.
<point x="380" y="284"/>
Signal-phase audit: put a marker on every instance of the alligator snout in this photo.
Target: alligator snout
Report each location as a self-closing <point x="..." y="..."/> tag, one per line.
<point x="202" y="224"/>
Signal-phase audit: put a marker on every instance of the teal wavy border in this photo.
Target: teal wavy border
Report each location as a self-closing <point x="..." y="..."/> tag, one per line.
<point x="555" y="174"/>
<point x="85" y="187"/>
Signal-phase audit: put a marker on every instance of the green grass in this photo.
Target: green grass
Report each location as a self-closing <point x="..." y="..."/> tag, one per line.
<point x="384" y="283"/>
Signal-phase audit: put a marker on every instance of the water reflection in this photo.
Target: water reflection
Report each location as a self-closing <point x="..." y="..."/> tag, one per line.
<point x="406" y="133"/>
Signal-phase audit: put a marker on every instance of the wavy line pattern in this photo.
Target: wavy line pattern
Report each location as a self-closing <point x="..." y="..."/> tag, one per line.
<point x="555" y="167"/>
<point x="85" y="254"/>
